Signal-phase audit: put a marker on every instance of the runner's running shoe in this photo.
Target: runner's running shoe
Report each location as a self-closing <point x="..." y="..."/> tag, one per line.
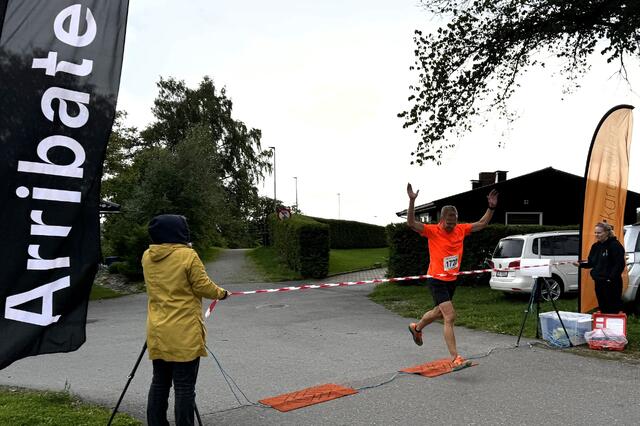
<point x="417" y="335"/>
<point x="459" y="363"/>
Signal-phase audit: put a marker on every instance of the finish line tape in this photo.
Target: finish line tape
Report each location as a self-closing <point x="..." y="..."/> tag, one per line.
<point x="377" y="281"/>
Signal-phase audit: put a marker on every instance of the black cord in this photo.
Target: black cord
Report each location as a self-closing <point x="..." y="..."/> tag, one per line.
<point x="383" y="383"/>
<point x="490" y="351"/>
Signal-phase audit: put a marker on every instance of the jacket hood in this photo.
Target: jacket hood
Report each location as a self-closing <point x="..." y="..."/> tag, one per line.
<point x="169" y="228"/>
<point x="157" y="252"/>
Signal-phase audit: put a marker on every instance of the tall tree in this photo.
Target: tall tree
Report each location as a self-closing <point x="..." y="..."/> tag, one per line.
<point x="469" y="67"/>
<point x="195" y="159"/>
<point x="241" y="160"/>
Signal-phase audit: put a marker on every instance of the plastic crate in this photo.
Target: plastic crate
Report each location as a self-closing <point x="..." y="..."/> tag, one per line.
<point x="576" y="325"/>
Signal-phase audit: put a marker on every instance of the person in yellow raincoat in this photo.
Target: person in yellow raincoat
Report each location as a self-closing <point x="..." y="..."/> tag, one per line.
<point x="176" y="282"/>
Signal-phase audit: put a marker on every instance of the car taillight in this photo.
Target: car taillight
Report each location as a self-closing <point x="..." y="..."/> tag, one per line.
<point x="514" y="264"/>
<point x="491" y="264"/>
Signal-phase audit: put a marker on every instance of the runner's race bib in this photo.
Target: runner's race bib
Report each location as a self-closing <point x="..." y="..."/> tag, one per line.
<point x="450" y="262"/>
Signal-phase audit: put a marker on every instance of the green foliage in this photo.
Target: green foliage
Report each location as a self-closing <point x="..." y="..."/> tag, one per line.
<point x="348" y="234"/>
<point x="409" y="252"/>
<point x="130" y="269"/>
<point x="303" y="243"/>
<point x="124" y="237"/>
<point x="195" y="160"/>
<point x="258" y="223"/>
<point x="470" y="66"/>
<point x="240" y="161"/>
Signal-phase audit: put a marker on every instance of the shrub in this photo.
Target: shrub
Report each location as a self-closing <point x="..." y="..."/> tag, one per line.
<point x="349" y="234"/>
<point x="124" y="268"/>
<point x="408" y="251"/>
<point x="302" y="243"/>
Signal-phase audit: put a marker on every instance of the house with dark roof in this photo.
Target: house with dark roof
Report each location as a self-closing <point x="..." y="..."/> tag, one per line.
<point x="544" y="197"/>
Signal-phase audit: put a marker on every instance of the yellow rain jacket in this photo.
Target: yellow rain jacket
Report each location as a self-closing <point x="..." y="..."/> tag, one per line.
<point x="176" y="283"/>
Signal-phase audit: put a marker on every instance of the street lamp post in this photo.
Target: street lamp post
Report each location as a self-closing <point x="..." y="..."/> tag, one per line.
<point x="275" y="206"/>
<point x="296" y="178"/>
<point x="338" y="205"/>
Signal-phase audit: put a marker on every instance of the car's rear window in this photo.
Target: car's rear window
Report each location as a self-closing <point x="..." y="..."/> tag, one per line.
<point x="508" y="248"/>
<point x="631" y="240"/>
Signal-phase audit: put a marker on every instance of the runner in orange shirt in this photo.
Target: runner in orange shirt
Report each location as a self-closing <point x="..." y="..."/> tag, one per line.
<point x="445" y="254"/>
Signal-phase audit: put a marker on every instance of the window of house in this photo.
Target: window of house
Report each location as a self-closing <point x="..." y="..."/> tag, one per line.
<point x="523" y="218"/>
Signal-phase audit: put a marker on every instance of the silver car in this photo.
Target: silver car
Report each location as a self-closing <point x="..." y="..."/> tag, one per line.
<point x="560" y="247"/>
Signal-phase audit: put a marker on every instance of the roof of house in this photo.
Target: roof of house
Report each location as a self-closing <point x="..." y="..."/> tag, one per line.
<point x="547" y="170"/>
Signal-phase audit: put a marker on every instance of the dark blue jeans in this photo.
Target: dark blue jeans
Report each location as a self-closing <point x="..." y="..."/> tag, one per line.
<point x="183" y="375"/>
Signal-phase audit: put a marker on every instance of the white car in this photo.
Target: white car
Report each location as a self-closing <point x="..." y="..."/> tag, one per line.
<point x="558" y="246"/>
<point x="632" y="249"/>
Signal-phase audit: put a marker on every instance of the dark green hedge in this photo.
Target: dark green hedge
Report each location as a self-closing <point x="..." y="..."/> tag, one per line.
<point x="303" y="243"/>
<point x="409" y="252"/>
<point x="349" y="234"/>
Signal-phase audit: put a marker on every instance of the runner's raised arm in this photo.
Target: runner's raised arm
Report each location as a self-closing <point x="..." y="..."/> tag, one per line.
<point x="492" y="199"/>
<point x="411" y="216"/>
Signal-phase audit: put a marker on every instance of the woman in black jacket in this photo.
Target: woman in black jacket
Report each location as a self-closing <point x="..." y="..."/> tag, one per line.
<point x="606" y="260"/>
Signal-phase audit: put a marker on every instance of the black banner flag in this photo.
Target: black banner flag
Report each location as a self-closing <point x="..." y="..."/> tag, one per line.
<point x="60" y="63"/>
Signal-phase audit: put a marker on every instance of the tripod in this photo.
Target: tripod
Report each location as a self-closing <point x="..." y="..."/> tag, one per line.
<point x="536" y="292"/>
<point x="133" y="372"/>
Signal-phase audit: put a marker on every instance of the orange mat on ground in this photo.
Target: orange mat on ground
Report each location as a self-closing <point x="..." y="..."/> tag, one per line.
<point x="308" y="396"/>
<point x="433" y="368"/>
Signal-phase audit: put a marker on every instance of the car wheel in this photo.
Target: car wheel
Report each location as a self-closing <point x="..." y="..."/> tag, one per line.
<point x="553" y="291"/>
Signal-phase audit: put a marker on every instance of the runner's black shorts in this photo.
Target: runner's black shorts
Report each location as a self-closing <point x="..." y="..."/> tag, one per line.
<point x="442" y="291"/>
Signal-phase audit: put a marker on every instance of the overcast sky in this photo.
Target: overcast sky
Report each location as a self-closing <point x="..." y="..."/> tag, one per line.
<point x="324" y="82"/>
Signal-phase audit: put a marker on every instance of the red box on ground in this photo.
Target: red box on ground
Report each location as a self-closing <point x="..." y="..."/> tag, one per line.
<point x="616" y="322"/>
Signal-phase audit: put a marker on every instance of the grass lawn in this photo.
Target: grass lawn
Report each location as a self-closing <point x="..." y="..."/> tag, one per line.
<point x="270" y="265"/>
<point x="26" y="407"/>
<point x="485" y="309"/>
<point x="339" y="261"/>
<point x="99" y="292"/>
<point x="354" y="259"/>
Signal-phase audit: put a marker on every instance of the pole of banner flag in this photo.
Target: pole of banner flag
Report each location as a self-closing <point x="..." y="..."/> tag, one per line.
<point x="133" y="373"/>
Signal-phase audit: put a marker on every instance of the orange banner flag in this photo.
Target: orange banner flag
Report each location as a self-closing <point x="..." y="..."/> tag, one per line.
<point x="605" y="195"/>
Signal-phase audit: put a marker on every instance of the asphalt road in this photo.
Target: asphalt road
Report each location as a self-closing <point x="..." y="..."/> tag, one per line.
<point x="277" y="343"/>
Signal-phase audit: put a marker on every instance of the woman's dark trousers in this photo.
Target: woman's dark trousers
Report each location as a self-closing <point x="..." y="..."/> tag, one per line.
<point x="183" y="375"/>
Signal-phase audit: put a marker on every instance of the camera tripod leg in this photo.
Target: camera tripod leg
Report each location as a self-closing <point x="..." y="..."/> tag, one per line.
<point x="528" y="309"/>
<point x="130" y="377"/>
<point x="133" y="372"/>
